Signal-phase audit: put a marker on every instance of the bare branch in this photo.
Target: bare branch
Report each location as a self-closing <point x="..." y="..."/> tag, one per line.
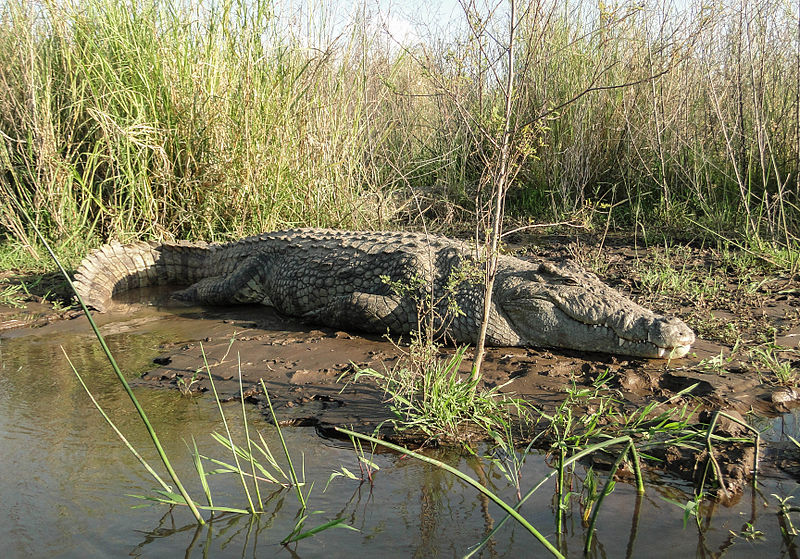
<point x="540" y="225"/>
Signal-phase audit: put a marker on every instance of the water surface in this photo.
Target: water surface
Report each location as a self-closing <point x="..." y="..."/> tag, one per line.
<point x="65" y="479"/>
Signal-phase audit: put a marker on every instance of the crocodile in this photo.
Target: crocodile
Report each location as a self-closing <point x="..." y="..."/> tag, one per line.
<point x="376" y="281"/>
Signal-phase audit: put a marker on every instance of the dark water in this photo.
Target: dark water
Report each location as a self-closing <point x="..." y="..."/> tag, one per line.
<point x="65" y="478"/>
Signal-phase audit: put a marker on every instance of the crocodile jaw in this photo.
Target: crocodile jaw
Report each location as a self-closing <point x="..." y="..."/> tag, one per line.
<point x="606" y="339"/>
<point x="570" y="308"/>
<point x="543" y="323"/>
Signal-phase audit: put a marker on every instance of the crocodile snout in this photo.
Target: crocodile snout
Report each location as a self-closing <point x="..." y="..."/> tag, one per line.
<point x="670" y="333"/>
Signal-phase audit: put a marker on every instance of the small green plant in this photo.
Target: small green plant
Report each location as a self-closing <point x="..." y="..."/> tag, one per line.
<point x="366" y="464"/>
<point x="691" y="508"/>
<point x="589" y="495"/>
<point x="782" y="370"/>
<point x="748" y="533"/>
<point x="185" y="386"/>
<point x="11" y="295"/>
<point x="57" y="304"/>
<point x="718" y="363"/>
<point x="432" y="396"/>
<point x="253" y="462"/>
<point x="569" y="426"/>
<point x="784" y="512"/>
<point x="505" y="456"/>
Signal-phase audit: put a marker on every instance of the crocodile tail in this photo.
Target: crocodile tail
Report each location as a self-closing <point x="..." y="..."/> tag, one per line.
<point x="114" y="268"/>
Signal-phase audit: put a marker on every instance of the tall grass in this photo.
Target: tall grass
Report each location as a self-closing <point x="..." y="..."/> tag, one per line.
<point x="171" y="119"/>
<point x="704" y="127"/>
<point x="213" y="120"/>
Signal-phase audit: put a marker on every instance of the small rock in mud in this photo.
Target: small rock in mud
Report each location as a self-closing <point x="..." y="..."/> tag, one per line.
<point x="783" y="397"/>
<point x="561" y="369"/>
<point x="634" y="380"/>
<point x="304" y="376"/>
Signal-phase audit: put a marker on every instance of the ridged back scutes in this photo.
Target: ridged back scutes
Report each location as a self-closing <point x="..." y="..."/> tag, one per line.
<point x="366" y="242"/>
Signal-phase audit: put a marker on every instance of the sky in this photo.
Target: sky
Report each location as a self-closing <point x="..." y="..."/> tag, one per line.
<point x="403" y="21"/>
<point x="407" y="18"/>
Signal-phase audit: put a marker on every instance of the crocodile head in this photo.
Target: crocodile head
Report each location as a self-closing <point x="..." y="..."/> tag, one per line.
<point x="561" y="305"/>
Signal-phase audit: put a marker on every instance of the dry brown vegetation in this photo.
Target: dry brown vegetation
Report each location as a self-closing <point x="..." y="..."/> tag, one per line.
<point x="156" y="119"/>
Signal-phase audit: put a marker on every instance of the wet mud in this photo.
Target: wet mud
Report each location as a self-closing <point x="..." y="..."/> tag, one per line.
<point x="305" y="368"/>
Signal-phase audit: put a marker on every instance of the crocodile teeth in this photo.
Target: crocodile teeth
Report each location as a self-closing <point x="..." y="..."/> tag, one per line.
<point x="661" y="352"/>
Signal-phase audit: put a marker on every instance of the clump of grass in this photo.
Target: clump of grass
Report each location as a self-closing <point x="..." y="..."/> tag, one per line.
<point x="12" y="294"/>
<point x="432" y="396"/>
<point x="152" y="119"/>
<point x="186" y="386"/>
<point x="589" y="421"/>
<point x="673" y="273"/>
<point x="781" y="371"/>
<point x="506" y="457"/>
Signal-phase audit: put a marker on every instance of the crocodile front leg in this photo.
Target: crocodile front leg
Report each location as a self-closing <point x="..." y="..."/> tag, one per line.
<point x="245" y="285"/>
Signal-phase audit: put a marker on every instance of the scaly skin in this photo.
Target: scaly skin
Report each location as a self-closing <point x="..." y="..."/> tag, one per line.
<point x="379" y="282"/>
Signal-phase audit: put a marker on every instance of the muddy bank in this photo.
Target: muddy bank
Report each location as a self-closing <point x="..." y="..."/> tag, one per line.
<point x="747" y="318"/>
<point x="302" y="367"/>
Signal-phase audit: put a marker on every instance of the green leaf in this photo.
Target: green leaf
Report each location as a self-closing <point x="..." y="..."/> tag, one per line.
<point x="337" y="523"/>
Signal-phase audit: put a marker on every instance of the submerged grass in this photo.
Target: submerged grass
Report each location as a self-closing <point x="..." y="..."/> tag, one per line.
<point x="471" y="481"/>
<point x="252" y="455"/>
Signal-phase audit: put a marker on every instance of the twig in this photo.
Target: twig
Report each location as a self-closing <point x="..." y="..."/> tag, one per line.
<point x="538" y="225"/>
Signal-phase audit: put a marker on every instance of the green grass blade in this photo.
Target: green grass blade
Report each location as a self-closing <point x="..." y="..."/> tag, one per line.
<point x="122" y="437"/>
<point x="336" y="523"/>
<point x="606" y="490"/>
<point x="247" y="435"/>
<point x="232" y="446"/>
<point x="295" y="481"/>
<point x="198" y="465"/>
